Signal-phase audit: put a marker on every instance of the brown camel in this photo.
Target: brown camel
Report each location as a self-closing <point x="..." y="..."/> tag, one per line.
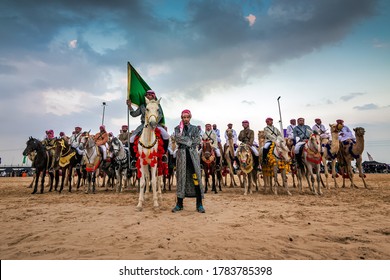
<point x="350" y="152"/>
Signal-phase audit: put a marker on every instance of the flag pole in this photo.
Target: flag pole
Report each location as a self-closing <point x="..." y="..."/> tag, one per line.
<point x="128" y="113"/>
<point x="280" y="120"/>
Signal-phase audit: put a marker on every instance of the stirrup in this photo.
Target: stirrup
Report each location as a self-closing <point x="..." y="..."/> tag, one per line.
<point x="132" y="165"/>
<point x="217" y="167"/>
<point x="177" y="208"/>
<point x="201" y="209"/>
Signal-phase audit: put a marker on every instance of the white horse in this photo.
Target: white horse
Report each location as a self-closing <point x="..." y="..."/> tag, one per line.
<point x="92" y="159"/>
<point x="311" y="157"/>
<point x="148" y="154"/>
<point x="121" y="163"/>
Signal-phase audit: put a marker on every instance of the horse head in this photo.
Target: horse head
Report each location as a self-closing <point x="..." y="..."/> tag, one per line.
<point x="152" y="113"/>
<point x="32" y="144"/>
<point x="116" y="146"/>
<point x="207" y="150"/>
<point x="314" y="142"/>
<point x="282" y="149"/>
<point x="244" y="155"/>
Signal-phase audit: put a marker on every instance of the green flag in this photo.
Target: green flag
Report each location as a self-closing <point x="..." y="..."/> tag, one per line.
<point x="137" y="87"/>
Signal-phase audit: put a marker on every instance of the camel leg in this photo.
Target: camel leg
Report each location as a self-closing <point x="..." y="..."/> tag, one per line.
<point x="334" y="174"/>
<point x="361" y="175"/>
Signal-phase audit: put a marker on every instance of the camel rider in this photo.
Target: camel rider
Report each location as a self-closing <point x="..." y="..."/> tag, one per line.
<point x="74" y="140"/>
<point x="101" y="139"/>
<point x="271" y="133"/>
<point x="320" y="128"/>
<point x="140" y="111"/>
<point x="64" y="136"/>
<point x="124" y="135"/>
<point x="49" y="143"/>
<point x="302" y="133"/>
<point x="247" y="136"/>
<point x="290" y="128"/>
<point x="210" y="135"/>
<point x="230" y="126"/>
<point x="345" y="135"/>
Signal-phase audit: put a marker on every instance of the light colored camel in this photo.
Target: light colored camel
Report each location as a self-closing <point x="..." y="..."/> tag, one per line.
<point x="330" y="149"/>
<point x="351" y="152"/>
<point x="228" y="155"/>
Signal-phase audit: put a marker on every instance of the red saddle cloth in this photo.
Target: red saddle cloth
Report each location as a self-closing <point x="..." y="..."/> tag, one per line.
<point x="155" y="156"/>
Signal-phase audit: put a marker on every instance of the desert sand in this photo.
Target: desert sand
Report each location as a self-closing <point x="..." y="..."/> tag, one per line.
<point x="343" y="223"/>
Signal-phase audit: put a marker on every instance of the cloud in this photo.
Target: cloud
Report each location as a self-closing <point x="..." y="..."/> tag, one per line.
<point x="251" y="19"/>
<point x="370" y="106"/>
<point x="248" y="102"/>
<point x="351" y="96"/>
<point x="72" y="44"/>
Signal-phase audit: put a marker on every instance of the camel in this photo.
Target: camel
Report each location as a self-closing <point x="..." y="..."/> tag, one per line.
<point x="228" y="155"/>
<point x="330" y="149"/>
<point x="351" y="152"/>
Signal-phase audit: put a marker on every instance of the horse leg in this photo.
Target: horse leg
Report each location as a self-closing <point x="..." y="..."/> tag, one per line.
<point x="214" y="188"/>
<point x="154" y="186"/>
<point x="143" y="180"/>
<point x="43" y="180"/>
<point x="37" y="172"/>
<point x="319" y="180"/>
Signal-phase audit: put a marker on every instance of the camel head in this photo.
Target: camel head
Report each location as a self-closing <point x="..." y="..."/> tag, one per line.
<point x="261" y="134"/>
<point x="335" y="128"/>
<point x="359" y="131"/>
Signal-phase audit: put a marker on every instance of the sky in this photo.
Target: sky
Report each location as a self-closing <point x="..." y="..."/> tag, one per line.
<point x="226" y="61"/>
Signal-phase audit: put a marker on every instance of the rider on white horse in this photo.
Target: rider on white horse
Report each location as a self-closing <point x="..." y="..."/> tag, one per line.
<point x="74" y="140"/>
<point x="271" y="134"/>
<point x="302" y="133"/>
<point x="140" y="111"/>
<point x="101" y="139"/>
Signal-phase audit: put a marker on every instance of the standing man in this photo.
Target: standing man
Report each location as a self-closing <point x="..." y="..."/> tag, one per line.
<point x="188" y="172"/>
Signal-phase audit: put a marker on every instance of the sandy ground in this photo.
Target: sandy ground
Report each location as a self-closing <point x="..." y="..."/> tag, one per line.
<point x="343" y="223"/>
